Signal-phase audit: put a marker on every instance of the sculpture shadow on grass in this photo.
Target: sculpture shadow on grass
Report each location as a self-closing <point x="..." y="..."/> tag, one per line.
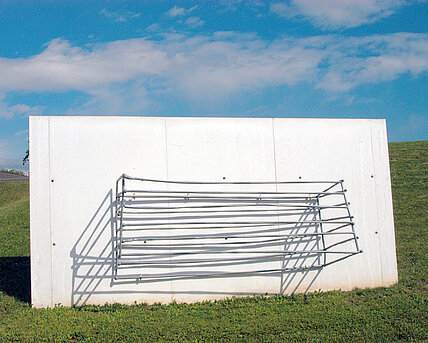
<point x="15" y="277"/>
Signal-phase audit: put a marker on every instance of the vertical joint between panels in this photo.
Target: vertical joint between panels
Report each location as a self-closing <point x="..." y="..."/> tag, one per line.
<point x="50" y="213"/>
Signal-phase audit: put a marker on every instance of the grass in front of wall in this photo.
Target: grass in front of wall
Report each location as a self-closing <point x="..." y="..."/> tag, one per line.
<point x="382" y="314"/>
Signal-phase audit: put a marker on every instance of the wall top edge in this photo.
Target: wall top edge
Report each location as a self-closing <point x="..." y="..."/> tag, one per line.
<point x="38" y="117"/>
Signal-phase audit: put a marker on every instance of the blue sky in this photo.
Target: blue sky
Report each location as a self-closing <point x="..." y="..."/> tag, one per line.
<point x="297" y="58"/>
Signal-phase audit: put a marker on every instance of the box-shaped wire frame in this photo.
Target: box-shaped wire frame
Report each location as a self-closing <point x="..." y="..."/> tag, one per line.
<point x="178" y="229"/>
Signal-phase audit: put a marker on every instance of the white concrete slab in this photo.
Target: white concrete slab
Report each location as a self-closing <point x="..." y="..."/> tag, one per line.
<point x="40" y="213"/>
<point x="75" y="162"/>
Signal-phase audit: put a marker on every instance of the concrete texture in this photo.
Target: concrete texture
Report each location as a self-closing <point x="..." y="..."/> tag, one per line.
<point x="75" y="162"/>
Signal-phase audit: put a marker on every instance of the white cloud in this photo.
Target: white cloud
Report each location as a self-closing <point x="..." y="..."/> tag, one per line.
<point x="154" y="28"/>
<point x="116" y="99"/>
<point x="283" y="10"/>
<point x="20" y="133"/>
<point x="338" y="13"/>
<point x="61" y="66"/>
<point x="235" y="66"/>
<point x="209" y="66"/>
<point x="179" y="11"/>
<point x="119" y="17"/>
<point x="11" y="111"/>
<point x="194" y="21"/>
<point x="175" y="11"/>
<point x="375" y="59"/>
<point x="229" y="5"/>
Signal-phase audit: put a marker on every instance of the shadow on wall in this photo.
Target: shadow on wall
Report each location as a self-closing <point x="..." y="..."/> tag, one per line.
<point x="94" y="258"/>
<point x="92" y="254"/>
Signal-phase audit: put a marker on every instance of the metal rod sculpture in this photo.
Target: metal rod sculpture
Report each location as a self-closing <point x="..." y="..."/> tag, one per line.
<point x="229" y="229"/>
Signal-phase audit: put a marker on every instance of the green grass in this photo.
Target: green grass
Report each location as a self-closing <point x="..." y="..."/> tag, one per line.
<point x="10" y="191"/>
<point x="409" y="174"/>
<point x="398" y="313"/>
<point x="14" y="219"/>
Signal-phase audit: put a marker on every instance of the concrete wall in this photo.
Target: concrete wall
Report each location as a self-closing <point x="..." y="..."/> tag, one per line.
<point x="75" y="162"/>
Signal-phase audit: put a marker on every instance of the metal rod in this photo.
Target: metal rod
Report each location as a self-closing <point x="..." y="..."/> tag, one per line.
<point x="286" y="208"/>
<point x="208" y="275"/>
<point x="121" y="217"/>
<point x="226" y="183"/>
<point x="349" y="213"/>
<point x="339" y="243"/>
<point x="169" y="238"/>
<point x="242" y="223"/>
<point x="116" y="247"/>
<point x="172" y="245"/>
<point x="289" y="252"/>
<point x="217" y="200"/>
<point x="215" y="218"/>
<point x="225" y="193"/>
<point x="321" y="228"/>
<point x="139" y="228"/>
<point x="128" y="261"/>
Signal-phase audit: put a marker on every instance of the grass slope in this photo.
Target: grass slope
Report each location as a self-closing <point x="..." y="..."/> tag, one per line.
<point x="383" y="314"/>
<point x="11" y="191"/>
<point x="14" y="219"/>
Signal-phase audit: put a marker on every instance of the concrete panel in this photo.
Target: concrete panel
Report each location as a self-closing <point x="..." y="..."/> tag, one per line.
<point x="75" y="162"/>
<point x="222" y="150"/>
<point x="40" y="213"/>
<point x="344" y="149"/>
<point x="384" y="203"/>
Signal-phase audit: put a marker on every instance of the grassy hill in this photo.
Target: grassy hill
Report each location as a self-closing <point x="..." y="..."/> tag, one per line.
<point x="383" y="314"/>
